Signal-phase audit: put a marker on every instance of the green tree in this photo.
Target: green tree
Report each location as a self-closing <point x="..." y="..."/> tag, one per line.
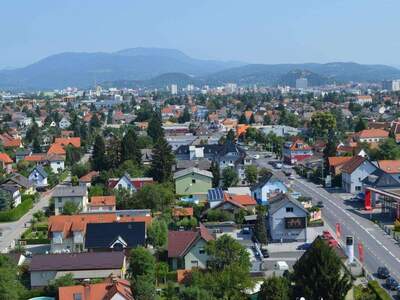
<point x="158" y="197"/>
<point x="229" y="177"/>
<point x="214" y="169"/>
<point x="70" y="208"/>
<point x="99" y="159"/>
<point x="73" y="155"/>
<point x="360" y="125"/>
<point x="10" y="287"/>
<point x="322" y="122"/>
<point x="252" y="120"/>
<point x="161" y="271"/>
<point x="154" y="129"/>
<point x="162" y="161"/>
<point x="36" y="146"/>
<point x="185" y="117"/>
<point x="230" y="137"/>
<point x="319" y="274"/>
<point x="129" y="147"/>
<point x="251" y="174"/>
<point x="5" y="200"/>
<point x="157" y="233"/>
<point x="274" y="288"/>
<point x="242" y="119"/>
<point x="142" y="273"/>
<point x="388" y="149"/>
<point x="65" y="280"/>
<point x="260" y="229"/>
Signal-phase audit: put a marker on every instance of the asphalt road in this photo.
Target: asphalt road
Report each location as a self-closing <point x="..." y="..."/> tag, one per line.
<point x="379" y="248"/>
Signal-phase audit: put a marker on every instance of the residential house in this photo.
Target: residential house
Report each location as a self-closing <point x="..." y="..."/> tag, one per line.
<point x="296" y="151"/>
<point x="86" y="180"/>
<point x="21" y="153"/>
<point x="115" y="236"/>
<point x="101" y="203"/>
<point x="23" y="183"/>
<point x="179" y="212"/>
<point x="186" y="249"/>
<point x="75" y="194"/>
<point x="363" y="99"/>
<point x="73" y="141"/>
<point x="215" y="196"/>
<point x="46" y="267"/>
<point x="38" y="177"/>
<point x="193" y="183"/>
<point x="268" y="187"/>
<point x="247" y="201"/>
<point x="13" y="192"/>
<point x="354" y="171"/>
<point x="336" y="163"/>
<point x="67" y="233"/>
<point x="56" y="162"/>
<point x="112" y="288"/>
<point x="287" y="219"/>
<point x="128" y="183"/>
<point x="6" y="162"/>
<point x="391" y="167"/>
<point x="371" y="136"/>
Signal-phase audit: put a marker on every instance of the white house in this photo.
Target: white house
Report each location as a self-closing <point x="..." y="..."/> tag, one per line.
<point x="38" y="177"/>
<point x="287" y="219"/>
<point x="75" y="194"/>
<point x="64" y="123"/>
<point x="353" y="173"/>
<point x="268" y="187"/>
<point x="13" y="191"/>
<point x="56" y="163"/>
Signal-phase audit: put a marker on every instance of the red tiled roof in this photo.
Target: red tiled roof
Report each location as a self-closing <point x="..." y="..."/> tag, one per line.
<point x="5" y="158"/>
<point x="180" y="241"/>
<point x="98" y="291"/>
<point x="335" y="161"/>
<point x="56" y="149"/>
<point x="74" y="141"/>
<point x="102" y="200"/>
<point x="373" y="133"/>
<point x="241" y="199"/>
<point x="389" y="166"/>
<point x="13" y="143"/>
<point x="182" y="211"/>
<point x="89" y="176"/>
<point x="36" y="157"/>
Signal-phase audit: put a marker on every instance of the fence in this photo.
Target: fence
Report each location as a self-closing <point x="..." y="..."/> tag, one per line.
<point x="389" y="231"/>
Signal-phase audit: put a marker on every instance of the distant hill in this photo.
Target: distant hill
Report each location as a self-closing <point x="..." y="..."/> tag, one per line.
<point x="84" y="69"/>
<point x="273" y="74"/>
<point x="157" y="67"/>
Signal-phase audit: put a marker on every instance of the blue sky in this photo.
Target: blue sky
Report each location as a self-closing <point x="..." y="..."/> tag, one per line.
<point x="259" y="31"/>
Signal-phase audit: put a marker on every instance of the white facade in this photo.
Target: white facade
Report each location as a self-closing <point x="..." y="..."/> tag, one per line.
<point x="352" y="182"/>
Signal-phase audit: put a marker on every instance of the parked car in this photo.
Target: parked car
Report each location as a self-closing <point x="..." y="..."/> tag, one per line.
<point x="256" y="156"/>
<point x="281" y="266"/>
<point x="264" y="252"/>
<point x="320" y="204"/>
<point x="392" y="283"/>
<point x="292" y="177"/>
<point x="383" y="272"/>
<point x="246" y="230"/>
<point x="278" y="165"/>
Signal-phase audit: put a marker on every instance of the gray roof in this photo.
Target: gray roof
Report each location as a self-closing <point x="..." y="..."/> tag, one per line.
<point x="11" y="188"/>
<point x="202" y="164"/>
<point x="281" y="200"/>
<point x="77" y="261"/>
<point x="192" y="170"/>
<point x="20" y="180"/>
<point x="41" y="171"/>
<point x="262" y="181"/>
<point x="70" y="191"/>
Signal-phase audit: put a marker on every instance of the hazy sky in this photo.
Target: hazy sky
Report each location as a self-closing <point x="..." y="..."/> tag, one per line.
<point x="263" y="31"/>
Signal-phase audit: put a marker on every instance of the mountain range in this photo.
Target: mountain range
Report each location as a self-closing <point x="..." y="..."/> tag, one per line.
<point x="158" y="67"/>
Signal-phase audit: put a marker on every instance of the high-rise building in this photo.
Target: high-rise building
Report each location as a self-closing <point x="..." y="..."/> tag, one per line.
<point x="190" y="88"/>
<point x="174" y="89"/>
<point x="230" y="88"/>
<point x="301" y="83"/>
<point x="391" y="85"/>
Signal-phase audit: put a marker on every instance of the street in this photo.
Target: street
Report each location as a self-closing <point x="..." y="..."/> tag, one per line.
<point x="379" y="248"/>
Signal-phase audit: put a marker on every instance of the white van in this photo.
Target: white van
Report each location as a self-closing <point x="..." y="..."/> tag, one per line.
<point x="281" y="266"/>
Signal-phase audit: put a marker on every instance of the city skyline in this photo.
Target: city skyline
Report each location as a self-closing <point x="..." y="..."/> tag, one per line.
<point x="264" y="32"/>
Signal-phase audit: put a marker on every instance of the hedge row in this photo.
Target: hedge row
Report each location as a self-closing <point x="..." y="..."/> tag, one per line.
<point x="380" y="293"/>
<point x="16" y="213"/>
<point x="36" y="241"/>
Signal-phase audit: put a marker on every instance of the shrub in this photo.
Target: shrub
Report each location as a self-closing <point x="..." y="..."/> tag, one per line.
<point x="16" y="213"/>
<point x="380" y="293"/>
<point x="397" y="225"/>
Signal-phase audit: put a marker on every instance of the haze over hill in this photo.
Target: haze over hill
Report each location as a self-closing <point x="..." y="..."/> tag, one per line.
<point x="157" y="67"/>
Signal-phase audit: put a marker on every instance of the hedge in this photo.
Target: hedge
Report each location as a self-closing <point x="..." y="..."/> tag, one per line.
<point x="380" y="293"/>
<point x="16" y="213"/>
<point x="36" y="241"/>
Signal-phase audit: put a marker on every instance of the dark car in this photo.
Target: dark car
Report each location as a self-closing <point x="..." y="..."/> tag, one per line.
<point x="304" y="246"/>
<point x="320" y="204"/>
<point x="264" y="253"/>
<point x="383" y="272"/>
<point x="391" y="283"/>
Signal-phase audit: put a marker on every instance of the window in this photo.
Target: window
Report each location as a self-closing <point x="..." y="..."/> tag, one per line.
<point x="202" y="250"/>
<point x="194" y="263"/>
<point x="289" y="209"/>
<point x="59" y="200"/>
<point x="77" y="296"/>
<point x="358" y="188"/>
<point x="193" y="180"/>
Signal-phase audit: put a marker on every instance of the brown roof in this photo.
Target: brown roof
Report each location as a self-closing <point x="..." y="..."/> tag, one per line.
<point x="335" y="161"/>
<point x="5" y="158"/>
<point x="241" y="199"/>
<point x="74" y="141"/>
<point x="102" y="200"/>
<point x="56" y="148"/>
<point x="98" y="291"/>
<point x="182" y="211"/>
<point x="179" y="242"/>
<point x="77" y="261"/>
<point x="353" y="164"/>
<point x="89" y="176"/>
